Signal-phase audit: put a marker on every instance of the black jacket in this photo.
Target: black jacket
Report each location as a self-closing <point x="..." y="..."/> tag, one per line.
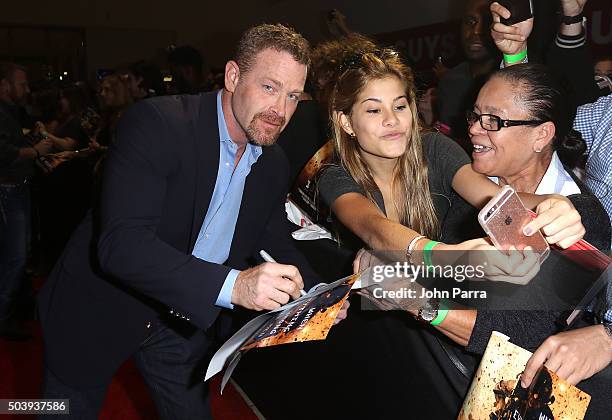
<point x="11" y="140"/>
<point x="133" y="263"/>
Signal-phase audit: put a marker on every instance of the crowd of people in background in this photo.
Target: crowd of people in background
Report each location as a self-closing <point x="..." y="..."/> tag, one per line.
<point x="53" y="143"/>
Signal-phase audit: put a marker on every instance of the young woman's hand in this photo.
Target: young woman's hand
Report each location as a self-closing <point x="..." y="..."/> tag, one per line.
<point x="489" y="263"/>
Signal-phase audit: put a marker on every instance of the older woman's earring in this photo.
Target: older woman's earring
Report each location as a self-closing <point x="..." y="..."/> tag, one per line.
<point x="537" y="150"/>
<point x="352" y="135"/>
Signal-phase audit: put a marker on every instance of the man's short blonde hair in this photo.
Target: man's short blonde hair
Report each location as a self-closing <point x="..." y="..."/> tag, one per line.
<point x="277" y="37"/>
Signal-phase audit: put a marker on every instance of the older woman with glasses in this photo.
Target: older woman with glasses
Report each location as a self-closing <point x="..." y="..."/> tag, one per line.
<point x="521" y="132"/>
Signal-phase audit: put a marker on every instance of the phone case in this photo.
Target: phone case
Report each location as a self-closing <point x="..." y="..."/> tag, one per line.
<point x="503" y="219"/>
<point x="520" y="10"/>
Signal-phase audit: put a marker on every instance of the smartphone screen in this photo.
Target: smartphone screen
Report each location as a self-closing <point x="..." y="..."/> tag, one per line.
<point x="520" y="10"/>
<point x="504" y="218"/>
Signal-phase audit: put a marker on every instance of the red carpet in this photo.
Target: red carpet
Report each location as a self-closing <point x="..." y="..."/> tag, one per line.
<point x="127" y="398"/>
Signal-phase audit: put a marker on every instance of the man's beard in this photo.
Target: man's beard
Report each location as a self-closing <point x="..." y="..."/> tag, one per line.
<point x="265" y="137"/>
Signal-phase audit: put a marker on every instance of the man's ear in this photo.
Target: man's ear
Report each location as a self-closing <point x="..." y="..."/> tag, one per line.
<point x="345" y="123"/>
<point x="232" y="74"/>
<point x="545" y="133"/>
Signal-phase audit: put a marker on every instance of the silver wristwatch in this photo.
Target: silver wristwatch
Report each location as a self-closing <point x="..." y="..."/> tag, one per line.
<point x="429" y="311"/>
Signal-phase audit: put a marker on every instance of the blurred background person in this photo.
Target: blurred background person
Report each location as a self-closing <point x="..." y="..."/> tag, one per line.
<point x="186" y="65"/>
<point x="603" y="74"/>
<point x="114" y="96"/>
<point x="145" y="80"/>
<point x="17" y="157"/>
<point x="64" y="190"/>
<point x="458" y="86"/>
<point x="603" y="66"/>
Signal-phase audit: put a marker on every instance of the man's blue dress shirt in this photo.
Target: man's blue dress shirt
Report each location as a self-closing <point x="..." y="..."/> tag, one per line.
<point x="217" y="231"/>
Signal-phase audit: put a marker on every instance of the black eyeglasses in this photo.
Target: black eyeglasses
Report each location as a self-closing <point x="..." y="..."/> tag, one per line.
<point x="492" y="122"/>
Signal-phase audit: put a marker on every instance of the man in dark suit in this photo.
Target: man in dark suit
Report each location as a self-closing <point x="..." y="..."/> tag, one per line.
<point x="193" y="188"/>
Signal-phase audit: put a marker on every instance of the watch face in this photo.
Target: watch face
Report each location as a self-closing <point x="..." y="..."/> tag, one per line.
<point x="427" y="313"/>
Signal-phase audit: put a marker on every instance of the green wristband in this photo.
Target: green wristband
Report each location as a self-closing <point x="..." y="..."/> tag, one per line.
<point x="515" y="58"/>
<point x="441" y="315"/>
<point x="427" y="251"/>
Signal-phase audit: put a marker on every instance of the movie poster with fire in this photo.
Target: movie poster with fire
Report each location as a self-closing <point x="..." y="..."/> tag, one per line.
<point x="310" y="320"/>
<point x="496" y="392"/>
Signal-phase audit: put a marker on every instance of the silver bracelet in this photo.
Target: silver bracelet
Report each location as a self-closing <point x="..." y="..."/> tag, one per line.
<point x="411" y="245"/>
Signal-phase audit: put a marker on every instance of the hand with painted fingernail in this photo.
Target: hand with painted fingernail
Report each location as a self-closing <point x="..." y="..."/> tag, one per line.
<point x="559" y="222"/>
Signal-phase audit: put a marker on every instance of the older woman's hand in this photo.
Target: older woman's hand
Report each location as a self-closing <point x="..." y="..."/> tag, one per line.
<point x="574" y="355"/>
<point x="559" y="221"/>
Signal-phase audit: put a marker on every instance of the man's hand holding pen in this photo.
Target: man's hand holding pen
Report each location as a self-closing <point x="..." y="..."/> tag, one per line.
<point x="270" y="285"/>
<point x="267" y="286"/>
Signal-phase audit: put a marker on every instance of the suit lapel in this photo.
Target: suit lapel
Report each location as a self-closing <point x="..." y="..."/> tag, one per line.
<point x="206" y="141"/>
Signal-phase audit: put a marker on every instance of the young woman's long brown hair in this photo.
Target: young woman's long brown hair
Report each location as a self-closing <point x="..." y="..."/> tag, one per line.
<point x="411" y="195"/>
